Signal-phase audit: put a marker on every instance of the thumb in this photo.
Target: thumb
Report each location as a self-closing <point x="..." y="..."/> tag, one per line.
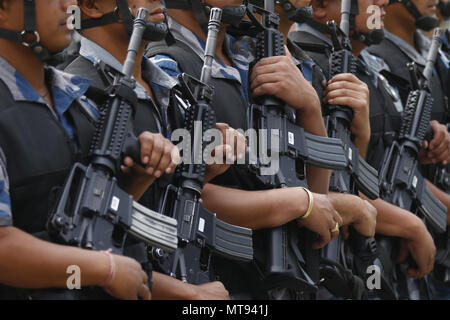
<point x="287" y="53"/>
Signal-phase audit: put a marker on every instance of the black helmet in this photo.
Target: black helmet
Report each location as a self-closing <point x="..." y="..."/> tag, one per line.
<point x="422" y="22"/>
<point x="122" y="13"/>
<point x="374" y="36"/>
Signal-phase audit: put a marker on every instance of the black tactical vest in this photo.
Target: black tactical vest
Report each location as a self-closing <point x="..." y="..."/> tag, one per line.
<point x="39" y="154"/>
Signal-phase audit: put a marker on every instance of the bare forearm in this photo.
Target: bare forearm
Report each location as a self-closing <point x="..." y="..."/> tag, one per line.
<point x="28" y="262"/>
<point x="345" y="204"/>
<point x="362" y="144"/>
<point x="318" y="178"/>
<point x="394" y="221"/>
<point x="137" y="187"/>
<point x="168" y="288"/>
<point x="255" y="209"/>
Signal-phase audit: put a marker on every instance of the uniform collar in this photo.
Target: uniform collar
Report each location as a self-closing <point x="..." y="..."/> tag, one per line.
<point x="309" y="29"/>
<point x="239" y="51"/>
<point x="406" y="48"/>
<point x="151" y="73"/>
<point x="65" y="88"/>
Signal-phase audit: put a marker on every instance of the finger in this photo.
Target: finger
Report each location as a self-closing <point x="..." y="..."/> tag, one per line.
<point x="334" y="232"/>
<point x="266" y="78"/>
<point x="146" y="141"/>
<point x="344" y="93"/>
<point x="270" y="89"/>
<point x="343" y="85"/>
<point x="125" y="170"/>
<point x="439" y="136"/>
<point x="344" y="101"/>
<point x="285" y="67"/>
<point x="322" y="241"/>
<point x="272" y="61"/>
<point x="176" y="159"/>
<point x="128" y="162"/>
<point x="234" y="140"/>
<point x="287" y="53"/>
<point x="440" y="151"/>
<point x="345" y="233"/>
<point x="345" y="77"/>
<point x="414" y="273"/>
<point x="425" y="144"/>
<point x="144" y="292"/>
<point x="144" y="277"/>
<point x="165" y="161"/>
<point x="337" y="218"/>
<point x="222" y="127"/>
<point x="155" y="156"/>
<point x="260" y="69"/>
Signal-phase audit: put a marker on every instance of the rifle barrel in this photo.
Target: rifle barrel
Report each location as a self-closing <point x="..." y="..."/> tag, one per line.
<point x="135" y="41"/>
<point x="345" y="16"/>
<point x="432" y="54"/>
<point x="215" y="19"/>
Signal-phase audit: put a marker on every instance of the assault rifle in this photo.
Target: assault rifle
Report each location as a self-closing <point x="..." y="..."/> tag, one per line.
<point x="401" y="182"/>
<point x="92" y="210"/>
<point x="357" y="176"/>
<point x="200" y="233"/>
<point x="291" y="262"/>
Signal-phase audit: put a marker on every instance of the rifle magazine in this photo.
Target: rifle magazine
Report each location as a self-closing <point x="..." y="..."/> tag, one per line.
<point x="367" y="179"/>
<point x="233" y="242"/>
<point x="433" y="210"/>
<point x="154" y="228"/>
<point x="325" y="152"/>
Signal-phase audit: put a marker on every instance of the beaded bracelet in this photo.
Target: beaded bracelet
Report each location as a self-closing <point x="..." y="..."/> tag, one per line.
<point x="112" y="269"/>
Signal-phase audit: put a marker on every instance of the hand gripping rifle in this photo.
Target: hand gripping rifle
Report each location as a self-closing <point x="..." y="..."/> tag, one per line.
<point x="291" y="259"/>
<point x="357" y="176"/>
<point x="200" y="233"/>
<point x="92" y="210"/>
<point x="401" y="182"/>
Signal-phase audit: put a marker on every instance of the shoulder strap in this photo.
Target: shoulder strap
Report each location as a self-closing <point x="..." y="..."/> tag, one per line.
<point x="186" y="58"/>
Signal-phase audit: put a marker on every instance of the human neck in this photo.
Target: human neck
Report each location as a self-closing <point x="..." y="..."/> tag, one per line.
<point x="402" y="28"/>
<point x="117" y="46"/>
<point x="357" y="47"/>
<point x="187" y="19"/>
<point x="26" y="63"/>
